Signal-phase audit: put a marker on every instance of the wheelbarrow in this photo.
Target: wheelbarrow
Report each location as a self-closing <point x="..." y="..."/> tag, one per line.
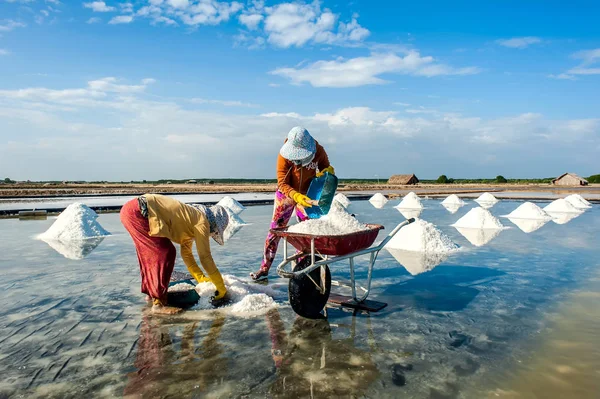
<point x="308" y="269"/>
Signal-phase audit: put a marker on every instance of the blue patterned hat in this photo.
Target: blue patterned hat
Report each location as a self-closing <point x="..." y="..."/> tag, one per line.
<point x="299" y="145"/>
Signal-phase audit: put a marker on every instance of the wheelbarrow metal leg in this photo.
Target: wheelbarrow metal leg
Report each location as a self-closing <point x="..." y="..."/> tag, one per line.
<point x="352" y="279"/>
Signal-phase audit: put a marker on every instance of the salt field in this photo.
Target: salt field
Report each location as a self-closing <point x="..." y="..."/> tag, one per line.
<point x="491" y="318"/>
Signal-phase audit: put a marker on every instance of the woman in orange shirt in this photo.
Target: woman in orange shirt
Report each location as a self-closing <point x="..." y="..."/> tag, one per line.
<point x="300" y="160"/>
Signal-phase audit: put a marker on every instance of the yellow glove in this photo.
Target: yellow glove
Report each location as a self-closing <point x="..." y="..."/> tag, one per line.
<point x="199" y="276"/>
<point x="328" y="169"/>
<point x="217" y="280"/>
<point x="302" y="200"/>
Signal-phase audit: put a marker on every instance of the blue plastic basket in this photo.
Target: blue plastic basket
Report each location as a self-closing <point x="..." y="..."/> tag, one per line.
<point x="321" y="189"/>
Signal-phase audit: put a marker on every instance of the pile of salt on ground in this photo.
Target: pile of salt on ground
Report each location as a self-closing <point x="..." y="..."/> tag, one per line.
<point x="410" y="201"/>
<point x="76" y="222"/>
<point x="337" y="222"/>
<point x="561" y="206"/>
<point x="453" y="199"/>
<point x="232" y="204"/>
<point x="578" y="201"/>
<point x="378" y="200"/>
<point x="244" y="298"/>
<point x="422" y="236"/>
<point x="528" y="210"/>
<point x="342" y="199"/>
<point x="478" y="218"/>
<point x="487" y="199"/>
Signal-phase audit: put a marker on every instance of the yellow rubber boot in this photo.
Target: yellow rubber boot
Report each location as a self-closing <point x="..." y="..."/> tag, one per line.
<point x="217" y="280"/>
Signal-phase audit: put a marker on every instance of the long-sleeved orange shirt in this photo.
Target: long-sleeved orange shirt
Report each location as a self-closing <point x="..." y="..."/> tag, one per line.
<point x="292" y="179"/>
<point x="184" y="225"/>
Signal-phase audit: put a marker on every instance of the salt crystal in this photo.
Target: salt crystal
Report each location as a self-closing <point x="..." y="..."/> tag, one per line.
<point x="486" y="197"/>
<point x="453" y="199"/>
<point x="452" y="208"/>
<point x="529" y="210"/>
<point x="410" y="201"/>
<point x="342" y="199"/>
<point x="378" y="200"/>
<point x="232" y="204"/>
<point x="578" y="201"/>
<point x="76" y="222"/>
<point x="422" y="236"/>
<point x="479" y="218"/>
<point x="252" y="303"/>
<point x="561" y="205"/>
<point x="478" y="237"/>
<point x="180" y="287"/>
<point x="337" y="222"/>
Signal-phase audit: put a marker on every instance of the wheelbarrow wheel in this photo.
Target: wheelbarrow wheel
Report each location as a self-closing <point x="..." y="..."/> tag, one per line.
<point x="305" y="297"/>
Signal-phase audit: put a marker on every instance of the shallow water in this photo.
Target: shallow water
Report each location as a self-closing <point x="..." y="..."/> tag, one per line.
<point x="75" y="328"/>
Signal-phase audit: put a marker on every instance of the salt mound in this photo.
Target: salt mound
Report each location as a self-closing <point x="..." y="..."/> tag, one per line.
<point x="253" y="303"/>
<point x="529" y="210"/>
<point x="561" y="205"/>
<point x="378" y="200"/>
<point x="76" y="222"/>
<point x="410" y="201"/>
<point x="486" y="197"/>
<point x="452" y="208"/>
<point x="181" y="287"/>
<point x="418" y="262"/>
<point x="232" y="204"/>
<point x="453" y="199"/>
<point x="244" y="297"/>
<point x="578" y="201"/>
<point x="337" y="222"/>
<point x="422" y="236"/>
<point x="479" y="218"/>
<point x="342" y="199"/>
<point x="410" y="213"/>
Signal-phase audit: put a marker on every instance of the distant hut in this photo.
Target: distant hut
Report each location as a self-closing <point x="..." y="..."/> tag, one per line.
<point x="191" y="182"/>
<point x="403" y="179"/>
<point x="569" y="179"/>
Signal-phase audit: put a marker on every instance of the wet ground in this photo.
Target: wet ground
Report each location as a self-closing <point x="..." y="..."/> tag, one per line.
<point x="472" y="326"/>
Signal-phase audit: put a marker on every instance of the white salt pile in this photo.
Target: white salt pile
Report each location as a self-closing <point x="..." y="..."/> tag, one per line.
<point x="422" y="236"/>
<point x="76" y="222"/>
<point x="244" y="298"/>
<point x="479" y="218"/>
<point x="479" y="237"/>
<point x="561" y="205"/>
<point x="342" y="199"/>
<point x="253" y="303"/>
<point x="181" y="287"/>
<point x="529" y="210"/>
<point x="410" y="201"/>
<point x="337" y="222"/>
<point x="378" y="200"/>
<point x="418" y="262"/>
<point x="410" y="213"/>
<point x="486" y="197"/>
<point x="453" y="199"/>
<point x="232" y="204"/>
<point x="578" y="201"/>
<point x="452" y="208"/>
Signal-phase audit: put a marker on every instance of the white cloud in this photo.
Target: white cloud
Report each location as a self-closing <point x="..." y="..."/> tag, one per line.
<point x="296" y="24"/>
<point x="126" y="7"/>
<point x="4" y="52"/>
<point x="99" y="6"/>
<point x="402" y="104"/>
<point x="362" y="71"/>
<point x="8" y="25"/>
<point x="588" y="66"/>
<point x="226" y="103"/>
<point x="121" y="19"/>
<point x="519" y="42"/>
<point x="251" y="21"/>
<point x="93" y="20"/>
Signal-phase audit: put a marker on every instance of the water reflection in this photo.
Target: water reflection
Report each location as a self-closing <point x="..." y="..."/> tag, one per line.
<point x="563" y="217"/>
<point x="77" y="249"/>
<point x="311" y="363"/>
<point x="452" y="208"/>
<point x="410" y="213"/>
<point x="417" y="262"/>
<point x="486" y="204"/>
<point x="528" y="225"/>
<point x="163" y="371"/>
<point x="478" y="237"/>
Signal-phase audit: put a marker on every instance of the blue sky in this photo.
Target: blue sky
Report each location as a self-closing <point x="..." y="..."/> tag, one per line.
<point x="148" y="89"/>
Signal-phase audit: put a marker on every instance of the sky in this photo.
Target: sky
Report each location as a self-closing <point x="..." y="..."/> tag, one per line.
<point x="153" y="89"/>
